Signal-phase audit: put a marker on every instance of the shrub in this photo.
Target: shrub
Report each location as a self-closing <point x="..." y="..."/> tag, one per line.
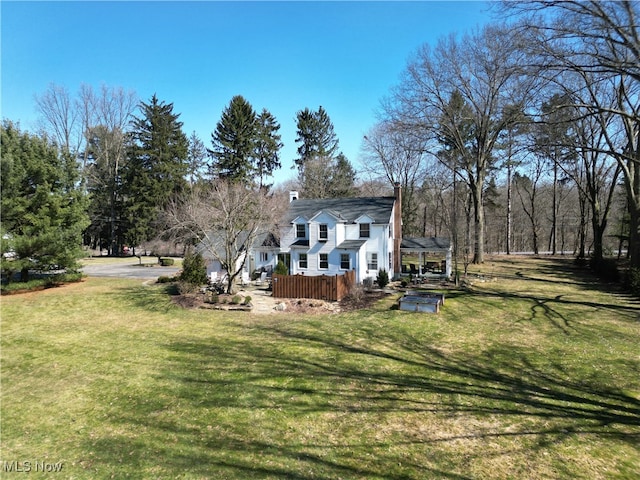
<point x="247" y="300"/>
<point x="194" y="270"/>
<point x="166" y="262"/>
<point x="236" y="299"/>
<point x="356" y="293"/>
<point x="211" y="297"/>
<point x="281" y="268"/>
<point x="633" y="281"/>
<point x="383" y="278"/>
<point x="44" y="282"/>
<point x="186" y="288"/>
<point x="165" y="279"/>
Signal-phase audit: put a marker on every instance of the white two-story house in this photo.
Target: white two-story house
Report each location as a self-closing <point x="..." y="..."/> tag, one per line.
<point x="333" y="235"/>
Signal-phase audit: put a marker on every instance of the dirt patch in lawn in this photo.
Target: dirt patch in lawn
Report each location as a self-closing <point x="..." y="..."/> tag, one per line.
<point x="263" y="303"/>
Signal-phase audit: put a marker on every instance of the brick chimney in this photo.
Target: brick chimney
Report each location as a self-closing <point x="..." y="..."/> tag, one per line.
<point x="397" y="229"/>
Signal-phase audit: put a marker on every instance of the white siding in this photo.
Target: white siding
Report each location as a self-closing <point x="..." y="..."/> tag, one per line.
<point x="378" y="242"/>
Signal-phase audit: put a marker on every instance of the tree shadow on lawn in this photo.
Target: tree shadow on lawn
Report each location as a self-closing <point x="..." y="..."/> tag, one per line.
<point x="555" y="309"/>
<point x="152" y="298"/>
<point x="557" y="270"/>
<point x="302" y="373"/>
<point x="506" y="375"/>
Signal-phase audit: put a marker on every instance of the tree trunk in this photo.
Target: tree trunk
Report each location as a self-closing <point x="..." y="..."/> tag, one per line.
<point x="478" y="217"/>
<point x="634" y="231"/>
<point x="24" y="274"/>
<point x="599" y="225"/>
<point x="553" y="242"/>
<point x="508" y="249"/>
<point x="632" y="184"/>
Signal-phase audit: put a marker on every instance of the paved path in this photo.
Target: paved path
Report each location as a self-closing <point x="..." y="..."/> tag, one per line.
<point x="128" y="271"/>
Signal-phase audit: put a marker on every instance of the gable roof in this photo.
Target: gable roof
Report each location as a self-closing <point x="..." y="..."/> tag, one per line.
<point x="379" y="209"/>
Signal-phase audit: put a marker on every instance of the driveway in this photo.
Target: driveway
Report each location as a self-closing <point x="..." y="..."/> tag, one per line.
<point x="128" y="270"/>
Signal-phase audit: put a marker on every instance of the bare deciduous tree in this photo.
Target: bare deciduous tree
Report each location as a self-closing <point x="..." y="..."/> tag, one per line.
<point x="60" y="117"/>
<point x="390" y="153"/>
<point x="599" y="42"/>
<point x="484" y="70"/>
<point x="224" y="219"/>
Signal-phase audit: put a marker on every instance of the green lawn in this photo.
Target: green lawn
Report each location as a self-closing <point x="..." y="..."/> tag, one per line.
<point x="533" y="372"/>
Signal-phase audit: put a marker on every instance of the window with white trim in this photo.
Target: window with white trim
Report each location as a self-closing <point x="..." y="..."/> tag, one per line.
<point x="372" y="261"/>
<point x="365" y="230"/>
<point x="323" y="261"/>
<point x="302" y="261"/>
<point x="301" y="231"/>
<point x="323" y="232"/>
<point x="264" y="257"/>
<point x="345" y="261"/>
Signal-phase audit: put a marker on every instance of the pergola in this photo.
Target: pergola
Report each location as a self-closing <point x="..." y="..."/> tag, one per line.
<point x="430" y="247"/>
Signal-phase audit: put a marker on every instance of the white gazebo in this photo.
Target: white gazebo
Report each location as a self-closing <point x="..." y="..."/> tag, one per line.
<point x="434" y="256"/>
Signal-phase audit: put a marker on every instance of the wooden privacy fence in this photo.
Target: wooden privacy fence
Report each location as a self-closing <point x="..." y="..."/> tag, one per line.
<point x="321" y="287"/>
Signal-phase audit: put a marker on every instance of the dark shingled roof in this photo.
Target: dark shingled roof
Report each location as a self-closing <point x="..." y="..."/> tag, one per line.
<point x="300" y="243"/>
<point x="425" y="243"/>
<point x="346" y="209"/>
<point x="351" y="244"/>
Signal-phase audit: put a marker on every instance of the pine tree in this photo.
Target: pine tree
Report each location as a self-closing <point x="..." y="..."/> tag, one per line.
<point x="316" y="136"/>
<point x="43" y="209"/>
<point x="234" y="142"/>
<point x="343" y="178"/>
<point x="322" y="171"/>
<point x="196" y="159"/>
<point x="268" y="145"/>
<point x="156" y="169"/>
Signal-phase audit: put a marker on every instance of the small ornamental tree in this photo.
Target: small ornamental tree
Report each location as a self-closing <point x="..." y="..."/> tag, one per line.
<point x="194" y="270"/>
<point x="383" y="278"/>
<point x="281" y="269"/>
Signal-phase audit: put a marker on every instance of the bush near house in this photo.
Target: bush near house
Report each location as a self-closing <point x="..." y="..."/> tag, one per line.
<point x="281" y="269"/>
<point x="383" y="278"/>
<point x="194" y="270"/>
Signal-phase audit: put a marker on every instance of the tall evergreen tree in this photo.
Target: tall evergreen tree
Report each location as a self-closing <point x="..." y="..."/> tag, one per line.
<point x="268" y="145"/>
<point x="316" y="136"/>
<point x="234" y="142"/>
<point x="196" y="158"/>
<point x="43" y="209"/>
<point x="157" y="167"/>
<point x="323" y="171"/>
<point x="343" y="178"/>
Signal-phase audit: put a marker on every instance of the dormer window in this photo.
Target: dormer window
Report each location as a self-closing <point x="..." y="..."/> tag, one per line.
<point x="365" y="230"/>
<point x="301" y="231"/>
<point x="323" y="232"/>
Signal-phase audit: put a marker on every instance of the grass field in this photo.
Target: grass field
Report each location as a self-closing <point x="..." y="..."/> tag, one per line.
<point x="533" y="372"/>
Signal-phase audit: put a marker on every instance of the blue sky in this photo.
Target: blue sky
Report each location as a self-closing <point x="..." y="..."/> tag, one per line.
<point x="282" y="56"/>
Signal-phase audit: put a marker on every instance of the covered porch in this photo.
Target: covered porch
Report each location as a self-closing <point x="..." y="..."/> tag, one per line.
<point x="426" y="256"/>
